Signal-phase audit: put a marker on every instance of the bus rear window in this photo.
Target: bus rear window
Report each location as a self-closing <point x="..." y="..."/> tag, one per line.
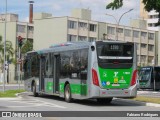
<point x="110" y="54"/>
<point x="115" y="52"/>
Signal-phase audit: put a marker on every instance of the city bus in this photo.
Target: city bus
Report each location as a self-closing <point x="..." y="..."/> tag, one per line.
<point x="97" y="70"/>
<point x="149" y="77"/>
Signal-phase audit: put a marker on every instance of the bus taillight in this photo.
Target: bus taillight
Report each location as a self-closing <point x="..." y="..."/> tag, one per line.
<point x="134" y="77"/>
<point x="95" y="77"/>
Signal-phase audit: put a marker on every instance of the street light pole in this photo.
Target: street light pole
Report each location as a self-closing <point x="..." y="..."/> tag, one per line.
<point x="118" y="21"/>
<point x="4" y="68"/>
<point x="154" y="83"/>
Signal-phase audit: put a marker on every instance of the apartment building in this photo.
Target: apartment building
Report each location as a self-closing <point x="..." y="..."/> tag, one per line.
<point x="151" y="17"/>
<point x="50" y="30"/>
<point x="14" y="28"/>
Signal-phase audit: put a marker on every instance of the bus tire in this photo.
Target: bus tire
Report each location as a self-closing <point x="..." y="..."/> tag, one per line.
<point x="104" y="100"/>
<point x="35" y="94"/>
<point x="67" y="94"/>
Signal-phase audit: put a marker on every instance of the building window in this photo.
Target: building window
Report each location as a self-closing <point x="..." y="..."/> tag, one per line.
<point x="143" y="58"/>
<point x="72" y="37"/>
<point x="151" y="36"/>
<point x="30" y="28"/>
<point x="92" y="27"/>
<point x="82" y="25"/>
<point x="135" y="34"/>
<point x="153" y="16"/>
<point x="82" y="38"/>
<point x="21" y="28"/>
<point x="143" y="45"/>
<point x="120" y="30"/>
<point x="127" y="32"/>
<point x="150" y="59"/>
<point x="149" y="24"/>
<point x="151" y="48"/>
<point x="91" y="39"/>
<point x="72" y="24"/>
<point x="143" y="34"/>
<point x="110" y="30"/>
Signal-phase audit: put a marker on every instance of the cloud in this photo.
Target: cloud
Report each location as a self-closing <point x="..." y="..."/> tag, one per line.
<point x="56" y="6"/>
<point x="129" y="4"/>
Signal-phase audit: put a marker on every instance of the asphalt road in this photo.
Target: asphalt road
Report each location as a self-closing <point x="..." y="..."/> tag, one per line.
<point x="26" y="102"/>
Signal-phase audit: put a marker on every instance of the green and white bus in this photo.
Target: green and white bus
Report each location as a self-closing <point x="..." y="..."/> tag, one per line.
<point x="149" y="77"/>
<point x="82" y="70"/>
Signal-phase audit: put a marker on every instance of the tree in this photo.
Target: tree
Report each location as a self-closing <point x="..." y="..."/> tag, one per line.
<point x="28" y="46"/>
<point x="9" y="52"/>
<point x="148" y="6"/>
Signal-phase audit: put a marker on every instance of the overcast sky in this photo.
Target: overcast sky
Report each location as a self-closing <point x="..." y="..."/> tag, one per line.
<point x="64" y="7"/>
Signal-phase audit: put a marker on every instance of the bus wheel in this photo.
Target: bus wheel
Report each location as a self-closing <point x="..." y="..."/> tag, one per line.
<point x="67" y="93"/>
<point x="104" y="100"/>
<point x="35" y="94"/>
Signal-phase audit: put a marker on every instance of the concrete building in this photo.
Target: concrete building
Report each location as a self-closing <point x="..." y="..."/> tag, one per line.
<point x="50" y="30"/>
<point x="14" y="28"/>
<point x="151" y="17"/>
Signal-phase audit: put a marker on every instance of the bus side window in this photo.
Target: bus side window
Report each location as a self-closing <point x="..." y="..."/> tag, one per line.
<point x="75" y="64"/>
<point x="65" y="67"/>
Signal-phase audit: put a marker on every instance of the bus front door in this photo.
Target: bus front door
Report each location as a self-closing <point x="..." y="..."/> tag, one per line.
<point x="42" y="73"/>
<point x="56" y="72"/>
<point x="83" y="83"/>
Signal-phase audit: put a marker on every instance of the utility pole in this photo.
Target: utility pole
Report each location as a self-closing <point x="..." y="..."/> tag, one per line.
<point x="154" y="72"/>
<point x="20" y="43"/>
<point x="4" y="65"/>
<point x="118" y="21"/>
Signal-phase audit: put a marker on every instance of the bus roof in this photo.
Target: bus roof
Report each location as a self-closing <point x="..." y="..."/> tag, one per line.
<point x="148" y="67"/>
<point x="73" y="46"/>
<point x="65" y="46"/>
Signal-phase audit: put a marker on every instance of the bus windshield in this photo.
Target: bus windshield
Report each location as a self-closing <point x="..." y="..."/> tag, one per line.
<point x="144" y="75"/>
<point x="111" y="54"/>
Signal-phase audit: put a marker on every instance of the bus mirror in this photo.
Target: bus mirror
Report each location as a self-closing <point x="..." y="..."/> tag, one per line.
<point x="92" y="48"/>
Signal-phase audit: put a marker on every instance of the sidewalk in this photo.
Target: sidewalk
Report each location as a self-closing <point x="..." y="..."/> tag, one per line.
<point x="12" y="86"/>
<point x="153" y="94"/>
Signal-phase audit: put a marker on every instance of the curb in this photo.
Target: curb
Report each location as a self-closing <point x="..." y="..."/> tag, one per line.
<point x="18" y="94"/>
<point x="153" y="104"/>
<point x="145" y="103"/>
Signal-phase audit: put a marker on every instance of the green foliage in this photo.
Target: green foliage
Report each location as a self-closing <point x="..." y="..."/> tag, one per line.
<point x="148" y="6"/>
<point x="9" y="51"/>
<point x="147" y="99"/>
<point x="10" y="93"/>
<point x="115" y="4"/>
<point x="28" y="46"/>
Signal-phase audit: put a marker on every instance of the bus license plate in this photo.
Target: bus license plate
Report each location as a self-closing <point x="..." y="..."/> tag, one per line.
<point x="115" y="80"/>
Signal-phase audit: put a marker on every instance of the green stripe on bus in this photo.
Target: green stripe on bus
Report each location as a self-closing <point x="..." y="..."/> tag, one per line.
<point x="75" y="89"/>
<point x="49" y="86"/>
